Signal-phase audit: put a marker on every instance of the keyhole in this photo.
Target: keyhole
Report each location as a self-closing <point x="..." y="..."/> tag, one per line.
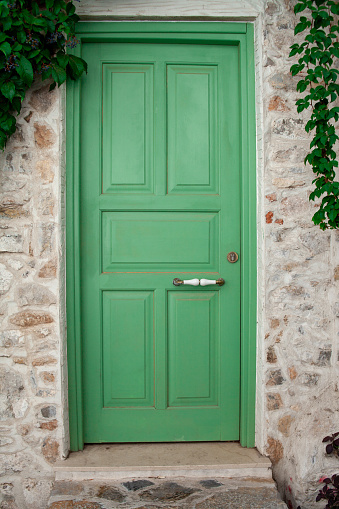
<point x="232" y="257"/>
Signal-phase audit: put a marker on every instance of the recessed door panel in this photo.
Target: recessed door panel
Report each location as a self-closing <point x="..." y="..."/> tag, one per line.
<point x="193" y="348"/>
<point x="128" y="347"/>
<point x="127" y="111"/>
<point x="193" y="134"/>
<point x="160" y="240"/>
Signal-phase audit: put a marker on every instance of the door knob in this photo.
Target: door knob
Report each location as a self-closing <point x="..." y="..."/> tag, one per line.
<point x="192" y="282"/>
<point x="206" y="282"/>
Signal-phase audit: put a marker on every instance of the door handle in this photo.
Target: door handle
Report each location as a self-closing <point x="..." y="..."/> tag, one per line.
<point x="196" y="282"/>
<point x="192" y="282"/>
<point x="206" y="282"/>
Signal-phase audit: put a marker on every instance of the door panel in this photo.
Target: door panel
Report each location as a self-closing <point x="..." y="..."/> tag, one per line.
<point x="160" y="240"/>
<point x="160" y="170"/>
<point x="128" y="346"/>
<point x="193" y="348"/>
<point x="127" y="111"/>
<point x="192" y="129"/>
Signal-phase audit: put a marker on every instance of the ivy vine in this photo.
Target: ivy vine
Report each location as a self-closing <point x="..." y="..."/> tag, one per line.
<point x="34" y="36"/>
<point x="318" y="53"/>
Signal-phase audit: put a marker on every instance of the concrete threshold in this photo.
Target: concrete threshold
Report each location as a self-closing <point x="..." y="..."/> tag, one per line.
<point x="194" y="460"/>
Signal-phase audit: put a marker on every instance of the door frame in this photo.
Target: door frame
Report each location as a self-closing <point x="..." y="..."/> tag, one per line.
<point x="236" y="34"/>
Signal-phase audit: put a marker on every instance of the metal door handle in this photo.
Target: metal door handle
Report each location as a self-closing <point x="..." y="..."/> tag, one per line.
<point x="196" y="282"/>
<point x="206" y="282"/>
<point x="192" y="282"/>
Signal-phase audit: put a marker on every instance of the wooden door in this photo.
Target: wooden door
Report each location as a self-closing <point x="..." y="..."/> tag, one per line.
<point x="160" y="200"/>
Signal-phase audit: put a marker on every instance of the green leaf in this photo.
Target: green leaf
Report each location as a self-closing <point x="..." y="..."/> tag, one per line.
<point x="299" y="7"/>
<point x="25" y="70"/>
<point x="58" y="74"/>
<point x="5" y="47"/>
<point x="21" y="36"/>
<point x="6" y="23"/>
<point x="78" y="65"/>
<point x="300" y="28"/>
<point x="8" y="90"/>
<point x="62" y="59"/>
<point x="70" y="9"/>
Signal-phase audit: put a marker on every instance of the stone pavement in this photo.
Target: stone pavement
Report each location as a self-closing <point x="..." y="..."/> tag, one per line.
<point x="157" y="493"/>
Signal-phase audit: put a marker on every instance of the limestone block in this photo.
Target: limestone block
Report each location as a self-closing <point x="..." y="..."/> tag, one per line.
<point x="42" y="99"/>
<point x="15" y="264"/>
<point x="5" y="441"/>
<point x="5" y="279"/>
<point x="49" y="425"/>
<point x="316" y="241"/>
<point x="34" y="295"/>
<point x="45" y="170"/>
<point x="11" y="392"/>
<point x="43" y="361"/>
<point x="275" y="450"/>
<point x="12" y="184"/>
<point x="44" y="136"/>
<point x="284" y="425"/>
<point x="14" y="463"/>
<point x="46" y="241"/>
<point x="277" y="104"/>
<point x="36" y="492"/>
<point x="283" y="81"/>
<point x="275" y="377"/>
<point x="48" y="270"/>
<point x="292" y="128"/>
<point x="274" y="401"/>
<point x="48" y="411"/>
<point x="11" y="243"/>
<point x="50" y="450"/>
<point x="30" y="318"/>
<point x="46" y="202"/>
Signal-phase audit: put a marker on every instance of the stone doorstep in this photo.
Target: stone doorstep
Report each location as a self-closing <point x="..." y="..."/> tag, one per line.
<point x="155" y="493"/>
<point x="191" y="460"/>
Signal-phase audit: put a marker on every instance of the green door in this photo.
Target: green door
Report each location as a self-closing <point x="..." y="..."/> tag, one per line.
<point x="160" y="200"/>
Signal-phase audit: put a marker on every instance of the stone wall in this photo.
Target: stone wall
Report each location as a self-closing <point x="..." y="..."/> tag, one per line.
<point x="300" y="307"/>
<point x="31" y="427"/>
<point x="298" y="310"/>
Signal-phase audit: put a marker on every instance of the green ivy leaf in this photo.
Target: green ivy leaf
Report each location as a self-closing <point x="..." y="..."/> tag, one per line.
<point x="58" y="74"/>
<point x="6" y="49"/>
<point x="299" y="7"/>
<point x="78" y="65"/>
<point x="8" y="90"/>
<point x="21" y="36"/>
<point x="25" y="70"/>
<point x="62" y="59"/>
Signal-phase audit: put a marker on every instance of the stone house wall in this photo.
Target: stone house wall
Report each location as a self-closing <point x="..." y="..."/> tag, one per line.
<point x="298" y="304"/>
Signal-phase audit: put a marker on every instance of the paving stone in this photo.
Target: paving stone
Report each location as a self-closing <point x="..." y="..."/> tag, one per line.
<point x="168" y="491"/>
<point x="71" y="504"/>
<point x="137" y="485"/>
<point x="166" y="494"/>
<point x="210" y="483"/>
<point x="67" y="488"/>
<point x="244" y="498"/>
<point x="160" y="507"/>
<point x="109" y="493"/>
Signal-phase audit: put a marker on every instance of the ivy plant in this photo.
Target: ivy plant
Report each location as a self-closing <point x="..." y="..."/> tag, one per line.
<point x="318" y="53"/>
<point x="34" y="37"/>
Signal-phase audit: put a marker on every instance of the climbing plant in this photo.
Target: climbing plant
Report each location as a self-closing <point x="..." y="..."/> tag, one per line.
<point x="34" y="37"/>
<point x="318" y="83"/>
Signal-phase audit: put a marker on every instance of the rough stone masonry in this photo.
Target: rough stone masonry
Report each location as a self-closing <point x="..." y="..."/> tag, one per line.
<point x="298" y="269"/>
